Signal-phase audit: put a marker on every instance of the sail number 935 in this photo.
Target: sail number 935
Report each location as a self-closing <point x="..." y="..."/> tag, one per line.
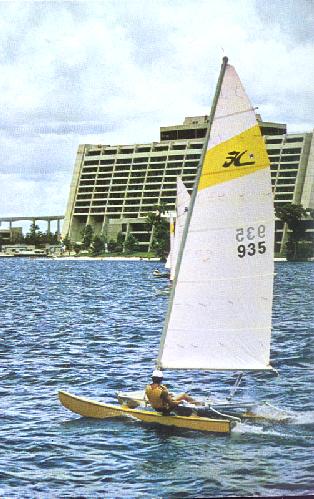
<point x="252" y="240"/>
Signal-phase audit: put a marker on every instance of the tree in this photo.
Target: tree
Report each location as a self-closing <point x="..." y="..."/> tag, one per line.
<point x="66" y="242"/>
<point x="305" y="249"/>
<point x="98" y="245"/>
<point x="52" y="238"/>
<point x="112" y="245"/>
<point x="77" y="248"/>
<point x="41" y="238"/>
<point x="37" y="237"/>
<point x="292" y="214"/>
<point x="160" y="227"/>
<point x="131" y="244"/>
<point x="120" y="243"/>
<point x="33" y="236"/>
<point x="87" y="235"/>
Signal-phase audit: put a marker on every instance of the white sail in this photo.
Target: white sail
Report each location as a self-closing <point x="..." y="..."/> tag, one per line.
<point x="182" y="203"/>
<point x="219" y="314"/>
<point x="169" y="260"/>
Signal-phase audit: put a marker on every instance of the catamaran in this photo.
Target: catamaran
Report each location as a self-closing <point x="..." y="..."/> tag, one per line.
<point x="220" y="306"/>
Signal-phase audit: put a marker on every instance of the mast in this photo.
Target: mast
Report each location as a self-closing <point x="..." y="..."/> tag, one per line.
<point x="193" y="197"/>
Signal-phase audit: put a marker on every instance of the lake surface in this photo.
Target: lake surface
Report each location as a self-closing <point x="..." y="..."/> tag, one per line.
<point x="93" y="328"/>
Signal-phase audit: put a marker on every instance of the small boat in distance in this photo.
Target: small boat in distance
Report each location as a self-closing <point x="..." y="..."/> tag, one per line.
<point x="220" y="306"/>
<point x="164" y="275"/>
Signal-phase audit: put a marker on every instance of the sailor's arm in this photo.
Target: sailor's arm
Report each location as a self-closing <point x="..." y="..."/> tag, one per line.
<point x="166" y="397"/>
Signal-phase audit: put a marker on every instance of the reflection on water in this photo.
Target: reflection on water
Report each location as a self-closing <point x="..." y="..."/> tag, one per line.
<point x="93" y="328"/>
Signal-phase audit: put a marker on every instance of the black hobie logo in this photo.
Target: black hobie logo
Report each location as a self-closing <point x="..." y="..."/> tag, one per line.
<point x="234" y="158"/>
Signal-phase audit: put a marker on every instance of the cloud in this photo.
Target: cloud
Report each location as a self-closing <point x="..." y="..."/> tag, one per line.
<point x="295" y="18"/>
<point x="114" y="72"/>
<point x="24" y="195"/>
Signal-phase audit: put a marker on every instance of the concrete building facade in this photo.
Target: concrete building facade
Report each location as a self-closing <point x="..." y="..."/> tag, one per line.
<point x="292" y="171"/>
<point x="11" y="235"/>
<point x="114" y="187"/>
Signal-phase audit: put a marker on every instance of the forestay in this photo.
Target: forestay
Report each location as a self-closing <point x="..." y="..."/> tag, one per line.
<point x="182" y="203"/>
<point x="220" y="308"/>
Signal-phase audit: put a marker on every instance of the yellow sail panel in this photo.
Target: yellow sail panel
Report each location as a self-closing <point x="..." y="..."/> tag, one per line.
<point x="234" y="158"/>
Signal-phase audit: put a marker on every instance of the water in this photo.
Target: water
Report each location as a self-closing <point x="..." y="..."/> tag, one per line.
<point x="93" y="328"/>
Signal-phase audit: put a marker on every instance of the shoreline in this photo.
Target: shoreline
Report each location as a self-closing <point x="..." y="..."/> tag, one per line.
<point x="122" y="258"/>
<point x="73" y="257"/>
<point x="108" y="258"/>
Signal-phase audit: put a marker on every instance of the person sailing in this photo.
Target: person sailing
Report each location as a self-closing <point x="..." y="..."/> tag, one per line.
<point x="159" y="397"/>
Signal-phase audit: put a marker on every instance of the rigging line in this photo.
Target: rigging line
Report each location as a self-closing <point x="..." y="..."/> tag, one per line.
<point x="236" y="385"/>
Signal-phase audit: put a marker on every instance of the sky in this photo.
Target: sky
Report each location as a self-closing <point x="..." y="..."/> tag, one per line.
<point x="113" y="72"/>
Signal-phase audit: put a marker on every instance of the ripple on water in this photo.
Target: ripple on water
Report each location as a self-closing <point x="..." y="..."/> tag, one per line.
<point x="93" y="328"/>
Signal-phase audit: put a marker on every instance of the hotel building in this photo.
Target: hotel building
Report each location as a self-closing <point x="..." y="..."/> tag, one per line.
<point x="114" y="187"/>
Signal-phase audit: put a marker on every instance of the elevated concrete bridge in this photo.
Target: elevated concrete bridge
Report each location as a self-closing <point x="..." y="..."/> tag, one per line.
<point x="48" y="219"/>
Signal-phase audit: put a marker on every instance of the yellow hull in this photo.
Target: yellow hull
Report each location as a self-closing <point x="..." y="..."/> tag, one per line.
<point x="91" y="409"/>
